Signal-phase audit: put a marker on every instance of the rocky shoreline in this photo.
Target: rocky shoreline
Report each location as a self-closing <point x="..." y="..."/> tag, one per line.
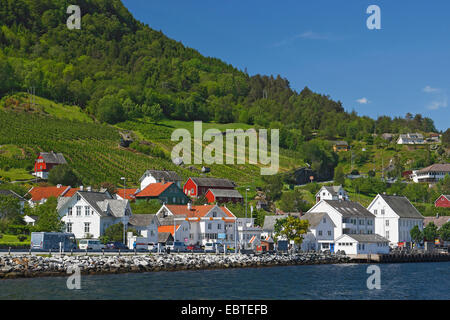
<point x="27" y="266"/>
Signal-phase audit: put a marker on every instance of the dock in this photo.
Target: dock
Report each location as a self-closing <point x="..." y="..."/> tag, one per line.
<point x="400" y="257"/>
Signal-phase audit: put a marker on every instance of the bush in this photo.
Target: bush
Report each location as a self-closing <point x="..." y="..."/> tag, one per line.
<point x="1" y="236"/>
<point x="22" y="237"/>
<point x="18" y="229"/>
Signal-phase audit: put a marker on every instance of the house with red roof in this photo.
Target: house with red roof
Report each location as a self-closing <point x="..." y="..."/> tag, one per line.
<point x="198" y="224"/>
<point x="40" y="195"/>
<point x="166" y="192"/>
<point x="126" y="194"/>
<point x="443" y="201"/>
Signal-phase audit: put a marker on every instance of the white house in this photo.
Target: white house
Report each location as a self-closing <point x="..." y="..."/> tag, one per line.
<point x="249" y="235"/>
<point x="432" y="173"/>
<point x="320" y="234"/>
<point x="159" y="176"/>
<point x="178" y="227"/>
<point x="362" y="244"/>
<point x="89" y="214"/>
<point x="395" y="216"/>
<point x="411" y="138"/>
<point x="146" y="226"/>
<point x="331" y="193"/>
<point x="207" y="223"/>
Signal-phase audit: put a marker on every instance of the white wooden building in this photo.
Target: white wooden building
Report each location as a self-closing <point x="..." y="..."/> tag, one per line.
<point x="320" y="234"/>
<point x="159" y="176"/>
<point x="362" y="244"/>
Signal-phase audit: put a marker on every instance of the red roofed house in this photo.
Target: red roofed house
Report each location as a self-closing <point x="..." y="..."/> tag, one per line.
<point x="443" y="201"/>
<point x="196" y="187"/>
<point x="45" y="162"/>
<point x="128" y="194"/>
<point x="206" y="223"/>
<point x="167" y="192"/>
<point x="40" y="194"/>
<point x="223" y="195"/>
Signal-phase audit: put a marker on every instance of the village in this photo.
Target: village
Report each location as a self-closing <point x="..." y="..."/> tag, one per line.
<point x="335" y="223"/>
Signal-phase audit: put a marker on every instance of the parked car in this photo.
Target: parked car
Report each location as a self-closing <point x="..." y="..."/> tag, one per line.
<point x="194" y="248"/>
<point x="116" y="245"/>
<point x="52" y="241"/>
<point x="91" y="244"/>
<point x="176" y="246"/>
<point x="213" y="247"/>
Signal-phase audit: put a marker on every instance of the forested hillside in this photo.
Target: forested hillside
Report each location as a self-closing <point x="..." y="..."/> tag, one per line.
<point x="117" y="69"/>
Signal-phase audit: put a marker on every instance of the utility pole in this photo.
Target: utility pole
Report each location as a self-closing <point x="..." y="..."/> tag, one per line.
<point x="124" y="238"/>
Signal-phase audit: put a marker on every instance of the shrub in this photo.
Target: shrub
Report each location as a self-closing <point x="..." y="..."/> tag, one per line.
<point x="22" y="237"/>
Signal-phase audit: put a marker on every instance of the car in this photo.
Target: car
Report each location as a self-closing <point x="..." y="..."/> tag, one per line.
<point x="90" y="244"/>
<point x="194" y="248"/>
<point x="116" y="245"/>
<point x="213" y="247"/>
<point x="176" y="246"/>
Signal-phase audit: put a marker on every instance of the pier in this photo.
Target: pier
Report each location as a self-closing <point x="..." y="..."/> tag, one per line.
<point x="400" y="257"/>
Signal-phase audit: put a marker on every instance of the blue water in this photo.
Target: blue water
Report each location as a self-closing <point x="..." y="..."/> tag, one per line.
<point x="398" y="281"/>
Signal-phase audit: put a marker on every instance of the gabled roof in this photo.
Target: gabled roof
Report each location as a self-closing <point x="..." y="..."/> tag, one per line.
<point x="226" y="193"/>
<point x="349" y="208"/>
<point x="142" y="220"/>
<point x="164" y="237"/>
<point x="368" y="238"/>
<point x="437" y="167"/>
<point x="438" y="221"/>
<point x="127" y="193"/>
<point x="213" y="182"/>
<point x="269" y="221"/>
<point x="154" y="189"/>
<point x="401" y="206"/>
<point x="54" y="158"/>
<point x="11" y="193"/>
<point x="104" y="204"/>
<point x="39" y="193"/>
<point x="71" y="192"/>
<point x="314" y="218"/>
<point x="331" y="189"/>
<point x="168" y="228"/>
<point x="195" y="211"/>
<point x="168" y="176"/>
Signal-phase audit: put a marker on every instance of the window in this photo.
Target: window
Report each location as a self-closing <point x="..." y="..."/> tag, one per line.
<point x="382" y="211"/>
<point x="369" y="222"/>
<point x="209" y="226"/>
<point x="329" y="232"/>
<point x="375" y="211"/>
<point x="78" y="197"/>
<point x="361" y="222"/>
<point x="78" y="211"/>
<point x="69" y="227"/>
<point x="387" y="234"/>
<point x="320" y="232"/>
<point x="324" y="220"/>
<point x="69" y="211"/>
<point x="87" y="210"/>
<point x="387" y="223"/>
<point x="87" y="227"/>
<point x="219" y="226"/>
<point x="214" y="214"/>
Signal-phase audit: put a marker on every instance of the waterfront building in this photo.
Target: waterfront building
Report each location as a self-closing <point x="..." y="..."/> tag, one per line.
<point x="146" y="226"/>
<point x="362" y="244"/>
<point x="320" y="234"/>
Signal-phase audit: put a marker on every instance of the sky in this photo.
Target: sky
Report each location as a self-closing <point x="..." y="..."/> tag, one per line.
<point x="325" y="45"/>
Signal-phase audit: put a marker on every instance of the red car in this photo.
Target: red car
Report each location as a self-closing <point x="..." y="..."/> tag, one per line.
<point x="193" y="248"/>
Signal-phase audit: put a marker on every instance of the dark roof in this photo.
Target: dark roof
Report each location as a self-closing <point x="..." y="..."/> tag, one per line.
<point x="213" y="182"/>
<point x="437" y="167"/>
<point x="51" y="157"/>
<point x="224" y="193"/>
<point x="314" y="218"/>
<point x="11" y="194"/>
<point x="350" y="208"/>
<point x="269" y="221"/>
<point x="164" y="237"/>
<point x="100" y="201"/>
<point x="331" y="189"/>
<point x="401" y="206"/>
<point x="340" y="143"/>
<point x="438" y="221"/>
<point x="168" y="176"/>
<point x="141" y="220"/>
<point x="365" y="237"/>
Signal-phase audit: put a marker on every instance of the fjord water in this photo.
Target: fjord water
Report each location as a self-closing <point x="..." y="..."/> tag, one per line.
<point x="346" y="281"/>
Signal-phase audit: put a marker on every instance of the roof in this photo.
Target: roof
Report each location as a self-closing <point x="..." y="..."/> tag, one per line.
<point x="213" y="182"/>
<point x="164" y="237"/>
<point x="314" y="218"/>
<point x="141" y="220"/>
<point x="129" y="193"/>
<point x="374" y="238"/>
<point x="331" y="189"/>
<point x="104" y="204"/>
<point x="349" y="208"/>
<point x="269" y="221"/>
<point x="168" y="229"/>
<point x="168" y="176"/>
<point x="340" y="143"/>
<point x="226" y="193"/>
<point x="39" y="193"/>
<point x="195" y="211"/>
<point x="401" y="206"/>
<point x="154" y="189"/>
<point x="11" y="194"/>
<point x="437" y="167"/>
<point x="51" y="157"/>
<point x="438" y="221"/>
<point x="71" y="192"/>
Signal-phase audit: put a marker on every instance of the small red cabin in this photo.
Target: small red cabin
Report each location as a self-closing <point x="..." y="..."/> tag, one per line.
<point x="46" y="161"/>
<point x="443" y="201"/>
<point x="196" y="187"/>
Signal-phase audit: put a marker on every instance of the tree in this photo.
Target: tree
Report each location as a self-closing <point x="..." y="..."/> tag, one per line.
<point x="416" y="234"/>
<point x="114" y="233"/>
<point x="10" y="209"/>
<point x="446" y="138"/>
<point x="48" y="218"/>
<point x="63" y="174"/>
<point x="430" y="232"/>
<point x="292" y="201"/>
<point x="444" y="232"/>
<point x="339" y="176"/>
<point x="110" y="110"/>
<point x="291" y="228"/>
<point x="155" y="112"/>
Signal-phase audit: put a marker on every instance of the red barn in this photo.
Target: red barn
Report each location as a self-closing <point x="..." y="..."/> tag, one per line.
<point x="443" y="201"/>
<point x="46" y="161"/>
<point x="196" y="187"/>
<point x="223" y="195"/>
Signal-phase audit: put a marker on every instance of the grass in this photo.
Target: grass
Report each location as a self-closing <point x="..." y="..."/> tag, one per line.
<point x="12" y="239"/>
<point x="16" y="174"/>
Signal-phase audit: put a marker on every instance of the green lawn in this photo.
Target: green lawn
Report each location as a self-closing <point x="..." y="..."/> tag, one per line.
<point x="15" y="174"/>
<point x="12" y="239"/>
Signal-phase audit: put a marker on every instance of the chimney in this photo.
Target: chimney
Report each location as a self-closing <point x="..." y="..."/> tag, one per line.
<point x="81" y="188"/>
<point x="89" y="188"/>
<point x="58" y="186"/>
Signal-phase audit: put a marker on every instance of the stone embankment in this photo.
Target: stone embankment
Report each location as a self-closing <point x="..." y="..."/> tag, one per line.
<point x="43" y="266"/>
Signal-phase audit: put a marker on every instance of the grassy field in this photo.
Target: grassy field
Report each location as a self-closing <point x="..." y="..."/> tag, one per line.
<point x="8" y="239"/>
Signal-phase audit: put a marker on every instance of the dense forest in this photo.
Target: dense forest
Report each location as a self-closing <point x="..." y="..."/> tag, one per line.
<point x="117" y="68"/>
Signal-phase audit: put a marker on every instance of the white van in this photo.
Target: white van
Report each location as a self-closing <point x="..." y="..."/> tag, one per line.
<point x="91" y="244"/>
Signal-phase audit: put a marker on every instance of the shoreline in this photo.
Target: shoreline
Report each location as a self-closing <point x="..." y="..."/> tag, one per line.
<point x="25" y="266"/>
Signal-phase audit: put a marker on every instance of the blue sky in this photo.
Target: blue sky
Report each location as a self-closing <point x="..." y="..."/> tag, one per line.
<point x="325" y="45"/>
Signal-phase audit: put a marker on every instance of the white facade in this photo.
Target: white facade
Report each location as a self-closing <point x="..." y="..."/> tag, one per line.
<point x="394" y="226"/>
<point x="320" y="235"/>
<point x="249" y="235"/>
<point x="148" y="178"/>
<point x="430" y="176"/>
<point x="331" y="193"/>
<point x="410" y="138"/>
<point x="350" y="246"/>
